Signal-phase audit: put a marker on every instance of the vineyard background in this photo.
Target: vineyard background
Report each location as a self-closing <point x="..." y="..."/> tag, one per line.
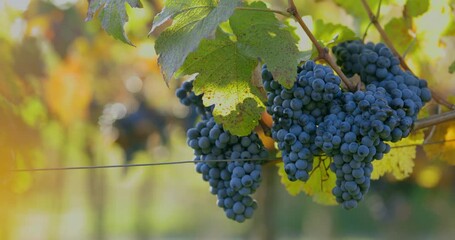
<point x="65" y="81"/>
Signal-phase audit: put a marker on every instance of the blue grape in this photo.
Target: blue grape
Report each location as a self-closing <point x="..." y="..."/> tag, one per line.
<point x="234" y="181"/>
<point x="379" y="68"/>
<point x="296" y="113"/>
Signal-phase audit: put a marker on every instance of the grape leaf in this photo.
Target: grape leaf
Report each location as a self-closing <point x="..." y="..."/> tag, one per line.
<point x="452" y="67"/>
<point x="332" y="34"/>
<point x="261" y="34"/>
<point x="415" y="8"/>
<point x="355" y="8"/>
<point x="319" y="186"/>
<point x="400" y="160"/>
<point x="192" y="22"/>
<point x="112" y="16"/>
<point x="225" y="80"/>
<point x="444" y="151"/>
<point x="329" y="34"/>
<point x="397" y="27"/>
<point x="293" y="188"/>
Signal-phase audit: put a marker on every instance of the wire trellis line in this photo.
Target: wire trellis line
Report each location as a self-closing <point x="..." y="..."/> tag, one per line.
<point x="187" y="161"/>
<point x="136" y="165"/>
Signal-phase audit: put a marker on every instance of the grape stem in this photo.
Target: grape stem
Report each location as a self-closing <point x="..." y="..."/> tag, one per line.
<point x="374" y="20"/>
<point x="322" y="52"/>
<point x="434" y="120"/>
<point x="267" y="130"/>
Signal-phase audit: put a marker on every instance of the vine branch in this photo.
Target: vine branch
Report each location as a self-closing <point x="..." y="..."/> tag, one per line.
<point x="374" y="20"/>
<point x="434" y="120"/>
<point x="322" y="52"/>
<point x="378" y="13"/>
<point x="286" y="14"/>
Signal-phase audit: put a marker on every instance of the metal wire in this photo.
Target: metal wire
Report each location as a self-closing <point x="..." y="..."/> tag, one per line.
<point x="134" y="165"/>
<point x="428" y="143"/>
<point x="185" y="161"/>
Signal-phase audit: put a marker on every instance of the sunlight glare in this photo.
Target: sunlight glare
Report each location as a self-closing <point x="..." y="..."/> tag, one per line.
<point x="304" y="42"/>
<point x="430" y="26"/>
<point x="18" y="28"/>
<point x="64" y="4"/>
<point x="20" y="5"/>
<point x="146" y="50"/>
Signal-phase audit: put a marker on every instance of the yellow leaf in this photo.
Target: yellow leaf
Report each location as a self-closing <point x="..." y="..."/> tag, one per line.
<point x="320" y="184"/>
<point x="293" y="188"/>
<point x="400" y="160"/>
<point x="443" y="151"/>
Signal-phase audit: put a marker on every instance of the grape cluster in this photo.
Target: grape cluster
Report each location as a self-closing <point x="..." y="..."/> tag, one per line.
<point x="316" y="117"/>
<point x="352" y="134"/>
<point x="297" y="112"/>
<point x="234" y="180"/>
<point x="376" y="65"/>
<point x="312" y="118"/>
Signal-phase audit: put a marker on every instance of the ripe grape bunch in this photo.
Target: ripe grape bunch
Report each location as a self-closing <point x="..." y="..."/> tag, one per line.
<point x="376" y="65"/>
<point x="232" y="181"/>
<point x="317" y="117"/>
<point x="297" y="112"/>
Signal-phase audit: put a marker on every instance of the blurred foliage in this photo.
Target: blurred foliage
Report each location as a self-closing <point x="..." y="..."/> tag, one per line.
<point x="65" y="87"/>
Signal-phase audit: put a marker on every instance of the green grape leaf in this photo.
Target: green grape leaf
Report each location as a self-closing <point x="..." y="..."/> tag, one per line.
<point x="192" y="22"/>
<point x="261" y="34"/>
<point x="356" y="10"/>
<point x="354" y="7"/>
<point x="452" y="67"/>
<point x="398" y="28"/>
<point x="400" y="160"/>
<point x="224" y="78"/>
<point x="112" y="14"/>
<point x="329" y="34"/>
<point x="415" y="8"/>
<point x="319" y="186"/>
